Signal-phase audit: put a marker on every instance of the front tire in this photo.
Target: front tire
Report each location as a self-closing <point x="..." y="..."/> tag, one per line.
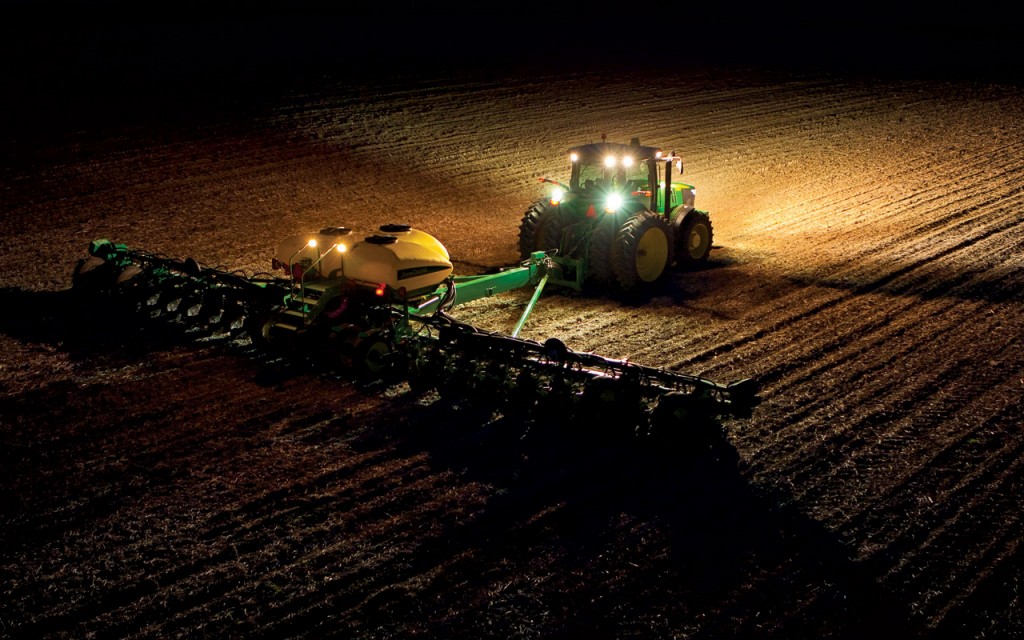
<point x="693" y="244"/>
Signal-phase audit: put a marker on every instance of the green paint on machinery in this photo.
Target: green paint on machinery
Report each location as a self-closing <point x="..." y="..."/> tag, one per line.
<point x="621" y="222"/>
<point x="380" y="304"/>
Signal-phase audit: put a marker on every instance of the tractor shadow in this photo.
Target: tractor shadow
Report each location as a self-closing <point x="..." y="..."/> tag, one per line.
<point x="654" y="529"/>
<point x="648" y="531"/>
<point x="679" y="286"/>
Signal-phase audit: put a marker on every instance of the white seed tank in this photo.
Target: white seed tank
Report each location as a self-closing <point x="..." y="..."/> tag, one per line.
<point x="399" y="256"/>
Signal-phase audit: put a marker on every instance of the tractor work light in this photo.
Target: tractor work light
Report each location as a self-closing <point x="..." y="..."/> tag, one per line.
<point x="312" y="242"/>
<point x="613" y="202"/>
<point x="573" y="157"/>
<point x="609" y="161"/>
<point x="556" y="195"/>
<point x="627" y="161"/>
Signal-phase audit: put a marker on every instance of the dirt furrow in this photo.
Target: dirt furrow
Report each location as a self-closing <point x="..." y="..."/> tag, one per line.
<point x="239" y="537"/>
<point x="966" y="466"/>
<point x="905" y="357"/>
<point x="915" y="269"/>
<point x="867" y="273"/>
<point x="984" y="532"/>
<point x="348" y="566"/>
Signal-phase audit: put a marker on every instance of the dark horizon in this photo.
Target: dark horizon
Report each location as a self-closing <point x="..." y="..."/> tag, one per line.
<point x="104" y="60"/>
<point x="67" y="40"/>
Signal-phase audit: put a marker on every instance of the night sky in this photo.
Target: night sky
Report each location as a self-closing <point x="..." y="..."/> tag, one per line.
<point x="104" y="55"/>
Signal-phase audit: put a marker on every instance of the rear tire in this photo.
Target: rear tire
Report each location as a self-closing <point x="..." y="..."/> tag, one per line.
<point x="643" y="251"/>
<point x="554" y="230"/>
<point x="599" y="260"/>
<point x="532" y="229"/>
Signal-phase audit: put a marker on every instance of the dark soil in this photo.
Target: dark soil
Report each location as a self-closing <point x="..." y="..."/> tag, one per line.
<point x="867" y="270"/>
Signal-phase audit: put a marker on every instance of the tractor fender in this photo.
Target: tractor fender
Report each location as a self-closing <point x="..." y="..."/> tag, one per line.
<point x="679" y="213"/>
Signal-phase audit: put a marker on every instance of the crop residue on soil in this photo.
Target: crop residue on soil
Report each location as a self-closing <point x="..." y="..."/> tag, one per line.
<point x="867" y="271"/>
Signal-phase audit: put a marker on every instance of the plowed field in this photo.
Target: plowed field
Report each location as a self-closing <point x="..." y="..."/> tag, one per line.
<point x="868" y="270"/>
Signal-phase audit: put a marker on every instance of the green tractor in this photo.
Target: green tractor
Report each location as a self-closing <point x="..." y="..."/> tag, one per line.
<point x="614" y="221"/>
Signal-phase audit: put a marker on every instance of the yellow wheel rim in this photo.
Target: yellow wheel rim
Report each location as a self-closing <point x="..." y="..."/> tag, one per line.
<point x="698" y="241"/>
<point x="651" y="254"/>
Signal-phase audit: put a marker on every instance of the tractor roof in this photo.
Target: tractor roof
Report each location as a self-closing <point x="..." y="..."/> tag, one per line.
<point x="596" y="151"/>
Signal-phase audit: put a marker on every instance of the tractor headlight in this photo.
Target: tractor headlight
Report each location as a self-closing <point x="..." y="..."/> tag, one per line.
<point x="557" y="194"/>
<point x="613" y="202"/>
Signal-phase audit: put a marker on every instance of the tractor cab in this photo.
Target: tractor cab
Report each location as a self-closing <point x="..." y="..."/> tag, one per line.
<point x="613" y="175"/>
